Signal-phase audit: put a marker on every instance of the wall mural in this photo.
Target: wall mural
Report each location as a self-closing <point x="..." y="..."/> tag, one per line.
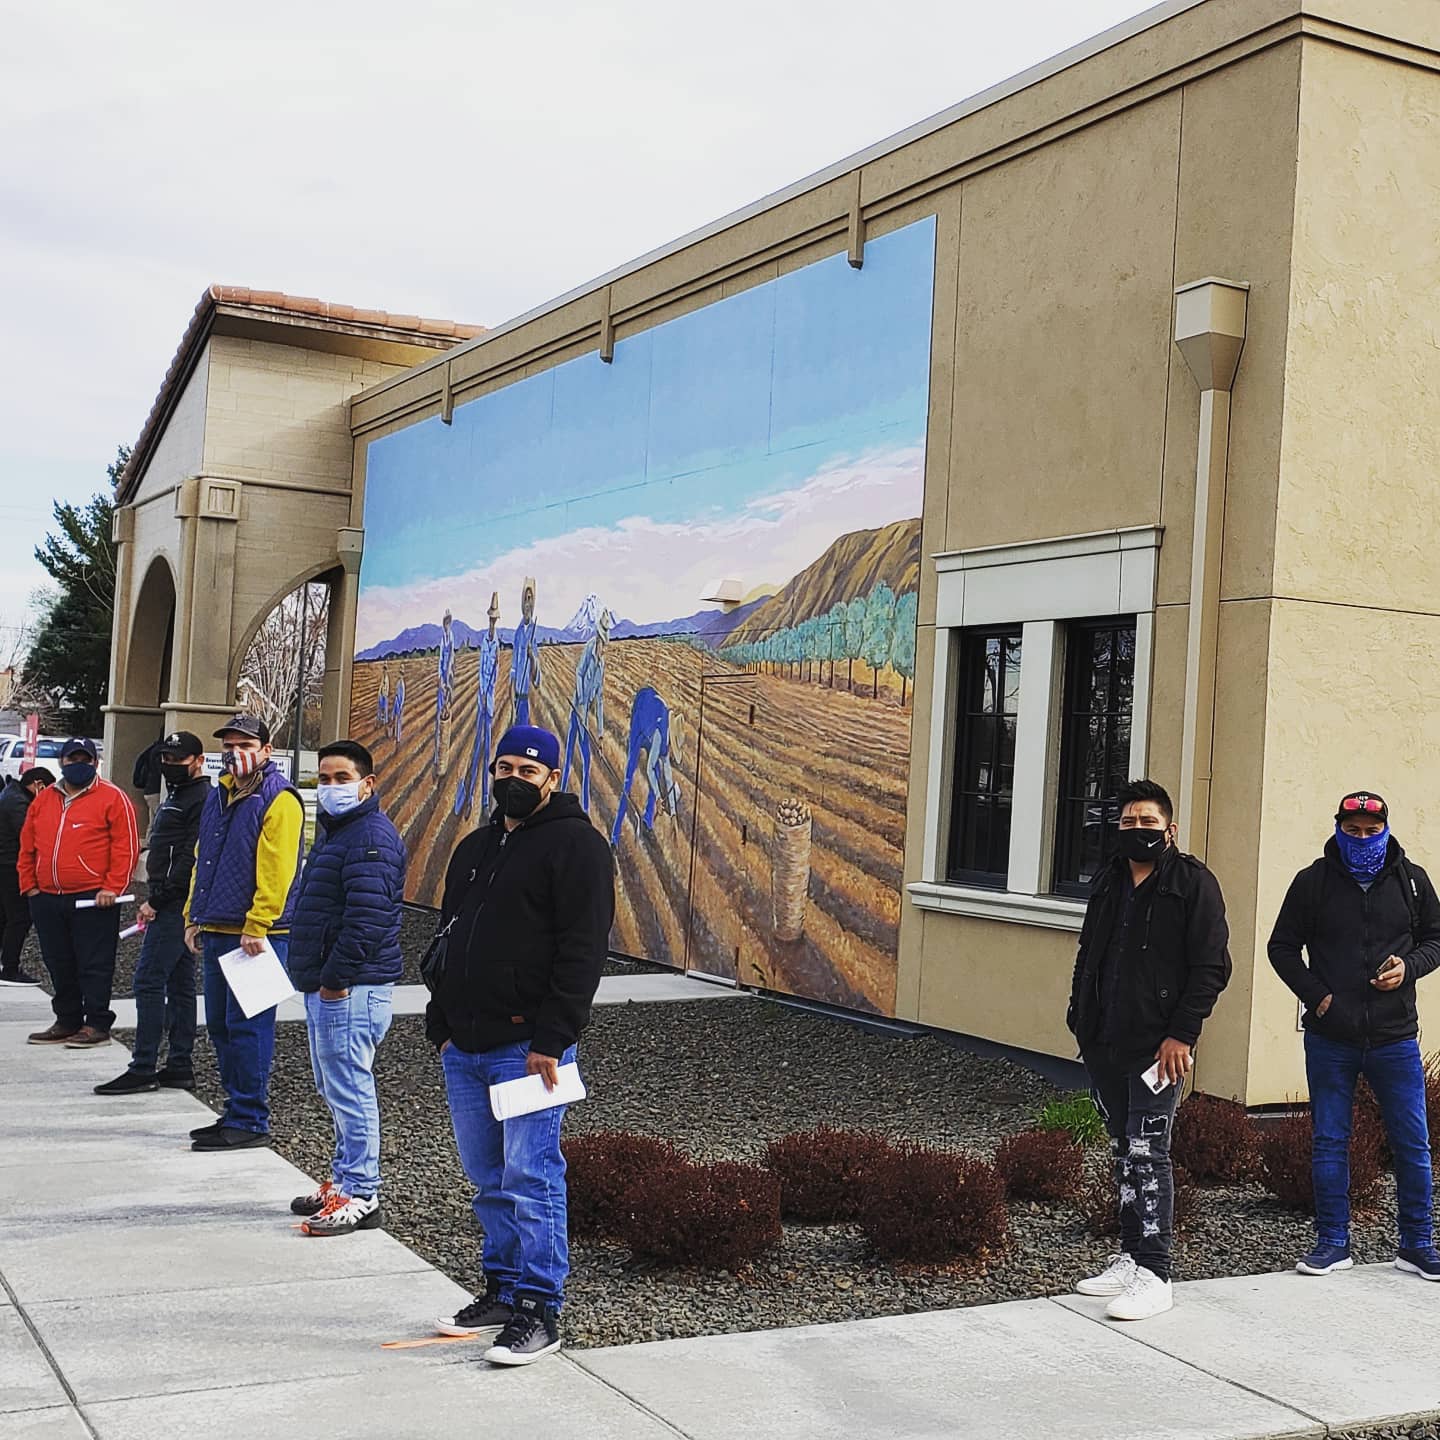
<point x="545" y="558"/>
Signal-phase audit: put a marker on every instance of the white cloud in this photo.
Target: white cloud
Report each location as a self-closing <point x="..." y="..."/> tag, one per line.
<point x="644" y="571"/>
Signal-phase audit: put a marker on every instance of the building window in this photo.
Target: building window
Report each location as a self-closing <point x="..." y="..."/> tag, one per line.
<point x="984" y="760"/>
<point x="1097" y="707"/>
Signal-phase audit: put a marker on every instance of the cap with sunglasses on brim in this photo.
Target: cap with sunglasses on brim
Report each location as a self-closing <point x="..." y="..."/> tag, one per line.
<point x="251" y="725"/>
<point x="1363" y="802"/>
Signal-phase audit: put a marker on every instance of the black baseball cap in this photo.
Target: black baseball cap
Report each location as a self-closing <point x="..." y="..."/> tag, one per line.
<point x="1363" y="802"/>
<point x="183" y="744"/>
<point x="251" y="725"/>
<point x="73" y="747"/>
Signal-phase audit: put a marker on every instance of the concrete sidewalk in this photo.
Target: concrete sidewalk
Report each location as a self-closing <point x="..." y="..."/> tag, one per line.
<point x="151" y="1293"/>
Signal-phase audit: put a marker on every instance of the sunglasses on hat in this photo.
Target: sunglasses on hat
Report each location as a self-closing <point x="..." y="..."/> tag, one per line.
<point x="1369" y="803"/>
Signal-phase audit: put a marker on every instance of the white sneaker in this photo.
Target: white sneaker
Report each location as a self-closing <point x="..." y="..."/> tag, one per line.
<point x="1146" y="1295"/>
<point x="1119" y="1271"/>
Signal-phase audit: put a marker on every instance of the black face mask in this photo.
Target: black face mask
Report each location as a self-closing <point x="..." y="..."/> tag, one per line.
<point x="516" y="798"/>
<point x="1142" y="846"/>
<point x="175" y="774"/>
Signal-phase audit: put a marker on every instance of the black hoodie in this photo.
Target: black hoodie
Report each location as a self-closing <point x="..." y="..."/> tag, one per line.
<point x="14" y="805"/>
<point x="1347" y="934"/>
<point x="532" y="908"/>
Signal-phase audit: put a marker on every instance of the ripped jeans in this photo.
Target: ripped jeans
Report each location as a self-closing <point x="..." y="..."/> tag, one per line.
<point x="1139" y="1123"/>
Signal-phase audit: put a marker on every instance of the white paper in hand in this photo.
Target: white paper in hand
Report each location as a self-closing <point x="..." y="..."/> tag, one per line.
<point x="528" y="1094"/>
<point x="258" y="982"/>
<point x="1152" y="1078"/>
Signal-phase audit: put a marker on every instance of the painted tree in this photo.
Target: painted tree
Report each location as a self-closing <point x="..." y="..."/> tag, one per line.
<point x="902" y="646"/>
<point x="854" y="637"/>
<point x="836" y="627"/>
<point x="879" y="632"/>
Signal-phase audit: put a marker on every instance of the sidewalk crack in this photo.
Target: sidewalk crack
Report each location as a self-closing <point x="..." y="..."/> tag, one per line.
<point x="630" y="1400"/>
<point x="50" y="1360"/>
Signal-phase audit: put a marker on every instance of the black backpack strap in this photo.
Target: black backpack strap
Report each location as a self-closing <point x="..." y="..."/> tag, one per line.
<point x="1412" y="896"/>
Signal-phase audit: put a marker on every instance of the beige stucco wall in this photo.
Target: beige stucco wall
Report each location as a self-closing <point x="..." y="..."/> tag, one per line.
<point x="180" y="450"/>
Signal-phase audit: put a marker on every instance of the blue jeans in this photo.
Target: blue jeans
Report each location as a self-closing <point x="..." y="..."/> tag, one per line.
<point x="164" y="996"/>
<point x="344" y="1036"/>
<point x="518" y="1173"/>
<point x="1397" y="1076"/>
<point x="244" y="1049"/>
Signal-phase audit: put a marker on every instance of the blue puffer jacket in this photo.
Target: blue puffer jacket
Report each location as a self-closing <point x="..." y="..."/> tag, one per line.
<point x="346" y="929"/>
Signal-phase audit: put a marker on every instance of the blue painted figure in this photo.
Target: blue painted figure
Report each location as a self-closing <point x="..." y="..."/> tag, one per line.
<point x="479" y="772"/>
<point x="397" y="706"/>
<point x="654" y="730"/>
<point x="525" y="656"/>
<point x="382" y="704"/>
<point x="589" y="695"/>
<point x="444" y="694"/>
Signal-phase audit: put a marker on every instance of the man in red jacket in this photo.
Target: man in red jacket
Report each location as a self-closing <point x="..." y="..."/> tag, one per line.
<point x="79" y="845"/>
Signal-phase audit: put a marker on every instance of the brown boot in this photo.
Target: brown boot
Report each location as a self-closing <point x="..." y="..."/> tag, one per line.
<point x="57" y="1034"/>
<point x="87" y="1037"/>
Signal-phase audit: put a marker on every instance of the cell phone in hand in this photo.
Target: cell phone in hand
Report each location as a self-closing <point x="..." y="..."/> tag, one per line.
<point x="1153" y="1079"/>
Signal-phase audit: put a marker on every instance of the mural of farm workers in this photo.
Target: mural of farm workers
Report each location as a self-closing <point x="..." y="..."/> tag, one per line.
<point x="479" y="772"/>
<point x="397" y="708"/>
<point x="525" y="656"/>
<point x="654" y="730"/>
<point x="589" y="695"/>
<point x="382" y="703"/>
<point x="444" y="693"/>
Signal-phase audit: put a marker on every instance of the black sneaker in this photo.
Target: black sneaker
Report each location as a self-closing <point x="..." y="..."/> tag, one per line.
<point x="132" y="1082"/>
<point x="531" y="1333"/>
<point x="200" y="1131"/>
<point x="169" y="1079"/>
<point x="17" y="977"/>
<point x="487" y="1314"/>
<point x="229" y="1137"/>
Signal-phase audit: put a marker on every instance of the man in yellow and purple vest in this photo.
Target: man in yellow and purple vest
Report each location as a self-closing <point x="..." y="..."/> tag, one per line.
<point x="247" y="868"/>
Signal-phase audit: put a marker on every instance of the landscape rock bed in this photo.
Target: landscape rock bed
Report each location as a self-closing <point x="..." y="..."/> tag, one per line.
<point x="722" y="1080"/>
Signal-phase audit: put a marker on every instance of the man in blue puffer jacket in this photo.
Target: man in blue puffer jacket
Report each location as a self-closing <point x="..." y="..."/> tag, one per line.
<point x="345" y="958"/>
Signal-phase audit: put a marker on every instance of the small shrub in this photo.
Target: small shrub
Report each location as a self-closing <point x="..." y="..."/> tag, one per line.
<point x="1187" y="1197"/>
<point x="1368" y="1126"/>
<point x="714" y="1217"/>
<point x="602" y="1171"/>
<point x="1432" y="1099"/>
<point x="1215" y="1142"/>
<point x="823" y="1172"/>
<point x="932" y="1207"/>
<point x="1286" y="1148"/>
<point x="1076" y="1115"/>
<point x="1041" y="1165"/>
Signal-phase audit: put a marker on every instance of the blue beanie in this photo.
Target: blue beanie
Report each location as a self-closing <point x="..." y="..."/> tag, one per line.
<point x="530" y="742"/>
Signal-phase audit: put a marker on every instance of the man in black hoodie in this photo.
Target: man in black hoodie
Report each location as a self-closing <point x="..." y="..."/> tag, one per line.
<point x="165" y="972"/>
<point x="14" y="907"/>
<point x="1369" y="921"/>
<point x="1153" y="960"/>
<point x="529" y="901"/>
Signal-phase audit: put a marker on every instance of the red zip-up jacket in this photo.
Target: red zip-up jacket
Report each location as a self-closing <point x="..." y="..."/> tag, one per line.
<point x="78" y="843"/>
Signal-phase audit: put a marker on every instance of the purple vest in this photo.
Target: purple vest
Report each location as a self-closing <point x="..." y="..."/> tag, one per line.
<point x="225" y="855"/>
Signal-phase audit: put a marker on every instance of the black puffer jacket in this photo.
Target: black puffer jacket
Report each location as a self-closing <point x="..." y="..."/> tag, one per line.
<point x="14" y="804"/>
<point x="1348" y="934"/>
<point x="533" y="909"/>
<point x="171" y="856"/>
<point x="1176" y="959"/>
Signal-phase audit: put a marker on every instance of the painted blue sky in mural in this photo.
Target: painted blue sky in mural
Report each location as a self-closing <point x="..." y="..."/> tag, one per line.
<point x="735" y="436"/>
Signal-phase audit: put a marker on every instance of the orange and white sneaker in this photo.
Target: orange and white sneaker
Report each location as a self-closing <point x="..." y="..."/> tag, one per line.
<point x="344" y="1213"/>
<point x="316" y="1201"/>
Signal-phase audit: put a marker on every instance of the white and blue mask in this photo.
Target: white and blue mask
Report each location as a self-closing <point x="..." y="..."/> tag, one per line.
<point x="338" y="800"/>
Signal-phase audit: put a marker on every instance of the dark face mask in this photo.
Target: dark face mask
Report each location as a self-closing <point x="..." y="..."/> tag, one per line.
<point x="1142" y="846"/>
<point x="516" y="798"/>
<point x="175" y="774"/>
<point x="78" y="775"/>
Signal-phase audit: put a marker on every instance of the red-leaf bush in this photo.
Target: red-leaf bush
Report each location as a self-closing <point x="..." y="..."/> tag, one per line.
<point x="933" y="1206"/>
<point x="1041" y="1165"/>
<point x="1432" y="1099"/>
<point x="1215" y="1142"/>
<point x="714" y="1217"/>
<point x="823" y="1173"/>
<point x="1286" y="1147"/>
<point x="603" y="1170"/>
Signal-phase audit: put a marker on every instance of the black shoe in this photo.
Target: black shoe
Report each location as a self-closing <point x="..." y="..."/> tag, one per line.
<point x="487" y="1314"/>
<point x="169" y="1079"/>
<point x="132" y="1082"/>
<point x="229" y="1137"/>
<point x="202" y="1130"/>
<point x="17" y="977"/>
<point x="532" y="1332"/>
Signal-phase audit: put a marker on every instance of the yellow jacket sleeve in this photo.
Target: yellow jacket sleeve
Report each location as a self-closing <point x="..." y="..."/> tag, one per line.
<point x="277" y="857"/>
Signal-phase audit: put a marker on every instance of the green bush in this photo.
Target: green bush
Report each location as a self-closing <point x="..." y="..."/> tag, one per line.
<point x="1076" y="1115"/>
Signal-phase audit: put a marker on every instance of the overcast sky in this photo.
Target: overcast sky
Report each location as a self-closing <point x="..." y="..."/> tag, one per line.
<point x="465" y="159"/>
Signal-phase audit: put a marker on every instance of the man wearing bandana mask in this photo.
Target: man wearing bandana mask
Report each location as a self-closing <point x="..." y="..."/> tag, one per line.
<point x="1368" y="922"/>
<point x="247" y="869"/>
<point x="529" y="901"/>
<point x="1152" y="962"/>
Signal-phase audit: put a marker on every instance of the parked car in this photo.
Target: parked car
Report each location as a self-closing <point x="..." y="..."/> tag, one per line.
<point x="12" y="755"/>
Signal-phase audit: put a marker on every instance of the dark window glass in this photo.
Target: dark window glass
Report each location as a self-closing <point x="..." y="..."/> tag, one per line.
<point x="984" y="766"/>
<point x="1094" y="746"/>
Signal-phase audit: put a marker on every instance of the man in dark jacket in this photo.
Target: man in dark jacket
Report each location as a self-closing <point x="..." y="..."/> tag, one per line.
<point x="1153" y="960"/>
<point x="1369" y="922"/>
<point x="529" y="901"/>
<point x="165" y="972"/>
<point x="14" y="907"/>
<point x="345" y="959"/>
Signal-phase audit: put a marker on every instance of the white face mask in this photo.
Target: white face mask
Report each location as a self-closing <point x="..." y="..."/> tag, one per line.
<point x="339" y="799"/>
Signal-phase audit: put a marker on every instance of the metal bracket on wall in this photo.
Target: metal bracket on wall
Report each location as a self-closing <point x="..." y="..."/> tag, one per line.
<point x="856" y="253"/>
<point x="447" y="396"/>
<point x="607" y="328"/>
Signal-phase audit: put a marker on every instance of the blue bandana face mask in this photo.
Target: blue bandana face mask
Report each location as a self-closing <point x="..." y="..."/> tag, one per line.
<point x="1364" y="858"/>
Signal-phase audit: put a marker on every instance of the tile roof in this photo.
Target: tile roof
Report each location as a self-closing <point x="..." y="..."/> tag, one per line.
<point x="401" y="329"/>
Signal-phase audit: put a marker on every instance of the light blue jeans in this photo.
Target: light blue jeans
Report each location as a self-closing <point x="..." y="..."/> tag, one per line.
<point x="344" y="1036"/>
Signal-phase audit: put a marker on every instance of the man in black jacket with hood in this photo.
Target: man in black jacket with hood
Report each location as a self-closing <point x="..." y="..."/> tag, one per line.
<point x="14" y="907"/>
<point x="1153" y="960"/>
<point x="1369" y="921"/>
<point x="529" y="901"/>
